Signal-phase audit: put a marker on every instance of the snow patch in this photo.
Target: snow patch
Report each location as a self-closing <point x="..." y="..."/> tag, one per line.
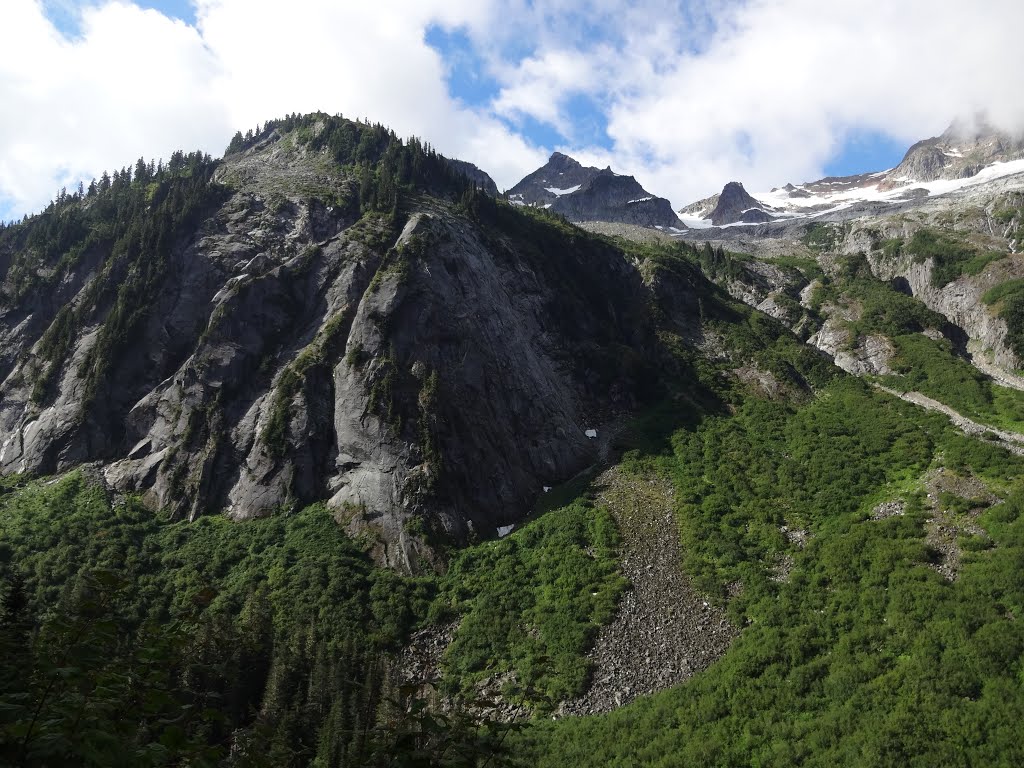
<point x="560" y="192"/>
<point x="504" y="530"/>
<point x="696" y="222"/>
<point x="591" y="433"/>
<point x="828" y="203"/>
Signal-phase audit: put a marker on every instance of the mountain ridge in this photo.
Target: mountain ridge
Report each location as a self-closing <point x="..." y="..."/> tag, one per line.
<point x="966" y="154"/>
<point x="591" y="194"/>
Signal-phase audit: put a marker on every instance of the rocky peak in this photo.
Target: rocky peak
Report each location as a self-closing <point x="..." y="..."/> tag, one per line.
<point x="559" y="162"/>
<point x="582" y="193"/>
<point x="736" y="205"/>
<point x="560" y="175"/>
<point x="962" y="150"/>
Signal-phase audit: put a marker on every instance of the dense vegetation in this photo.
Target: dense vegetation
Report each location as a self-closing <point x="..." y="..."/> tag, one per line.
<point x="531" y="604"/>
<point x="931" y="366"/>
<point x="864" y="655"/>
<point x="271" y="638"/>
<point x="280" y="626"/>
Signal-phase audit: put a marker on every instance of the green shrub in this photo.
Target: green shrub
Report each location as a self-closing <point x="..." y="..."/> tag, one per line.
<point x="531" y="603"/>
<point x="951" y="257"/>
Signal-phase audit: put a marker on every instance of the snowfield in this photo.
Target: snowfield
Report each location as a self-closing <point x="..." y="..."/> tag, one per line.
<point x="560" y="192"/>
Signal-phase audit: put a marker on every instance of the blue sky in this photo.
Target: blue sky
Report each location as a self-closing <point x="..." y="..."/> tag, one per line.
<point x="65" y="13"/>
<point x="684" y="94"/>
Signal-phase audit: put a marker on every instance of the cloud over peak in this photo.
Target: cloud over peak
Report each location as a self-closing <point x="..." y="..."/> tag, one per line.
<point x="685" y="95"/>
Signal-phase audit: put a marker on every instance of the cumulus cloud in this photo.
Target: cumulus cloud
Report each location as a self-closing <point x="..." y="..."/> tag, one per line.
<point x="136" y="83"/>
<point x="782" y="84"/>
<point x="130" y="86"/>
<point x="691" y="94"/>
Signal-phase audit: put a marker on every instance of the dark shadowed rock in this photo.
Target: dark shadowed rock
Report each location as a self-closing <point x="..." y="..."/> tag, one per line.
<point x="610" y="197"/>
<point x="736" y="205"/>
<point x="590" y="194"/>
<point x="481" y="178"/>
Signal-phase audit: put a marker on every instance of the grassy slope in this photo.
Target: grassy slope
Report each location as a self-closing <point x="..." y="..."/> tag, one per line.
<point x="924" y="364"/>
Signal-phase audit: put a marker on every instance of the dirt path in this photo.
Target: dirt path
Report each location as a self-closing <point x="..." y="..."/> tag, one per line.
<point x="665" y="631"/>
<point x="1011" y="441"/>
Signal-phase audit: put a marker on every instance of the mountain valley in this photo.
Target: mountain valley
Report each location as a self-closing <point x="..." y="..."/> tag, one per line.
<point x="355" y="459"/>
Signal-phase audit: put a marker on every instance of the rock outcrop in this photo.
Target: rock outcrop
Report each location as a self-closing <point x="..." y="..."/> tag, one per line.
<point x="960" y="300"/>
<point x="481" y="178"/>
<point x="700" y="209"/>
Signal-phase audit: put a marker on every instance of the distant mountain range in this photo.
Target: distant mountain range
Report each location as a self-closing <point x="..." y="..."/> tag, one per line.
<point x="964" y="155"/>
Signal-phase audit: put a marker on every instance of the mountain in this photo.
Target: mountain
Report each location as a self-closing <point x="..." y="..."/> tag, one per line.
<point x="961" y="152"/>
<point x="735" y="205"/>
<point x="561" y="175"/>
<point x="304" y="332"/>
<point x="590" y="194"/>
<point x="968" y="158"/>
<point x="481" y="178"/>
<point x="319" y="454"/>
<point x="962" y="161"/>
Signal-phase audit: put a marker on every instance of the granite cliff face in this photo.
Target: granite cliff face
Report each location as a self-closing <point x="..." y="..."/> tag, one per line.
<point x="426" y="371"/>
<point x="959" y="301"/>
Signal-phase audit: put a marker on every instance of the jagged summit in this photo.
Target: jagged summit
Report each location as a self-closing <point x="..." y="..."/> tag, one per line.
<point x="561" y="175"/>
<point x="736" y="205"/>
<point x="733" y="205"/>
<point x="963" y="150"/>
<point x="582" y="193"/>
<point x="559" y="161"/>
<point x="969" y="155"/>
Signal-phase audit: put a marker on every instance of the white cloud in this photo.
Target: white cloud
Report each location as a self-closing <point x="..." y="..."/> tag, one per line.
<point x="765" y="91"/>
<point x="135" y="83"/>
<point x="781" y="84"/>
<point x="129" y="87"/>
<point x="539" y="87"/>
<point x="694" y="94"/>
